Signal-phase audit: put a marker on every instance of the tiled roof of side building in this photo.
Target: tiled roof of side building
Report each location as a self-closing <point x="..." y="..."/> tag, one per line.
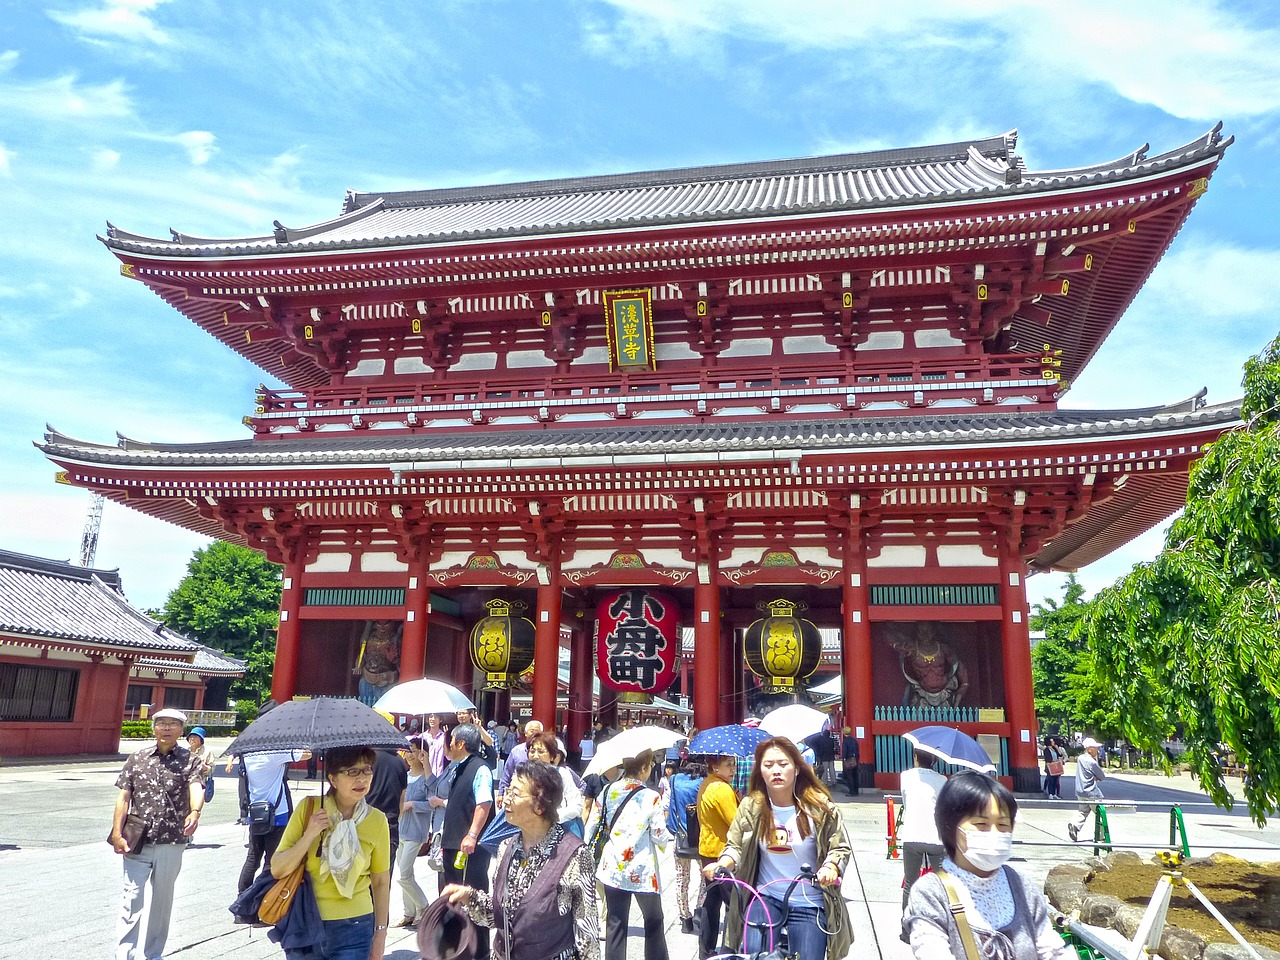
<point x="769" y="438"/>
<point x="967" y="170"/>
<point x="58" y="601"/>
<point x="206" y="661"/>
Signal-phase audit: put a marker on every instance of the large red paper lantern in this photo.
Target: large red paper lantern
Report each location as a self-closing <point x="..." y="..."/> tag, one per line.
<point x="637" y="641"/>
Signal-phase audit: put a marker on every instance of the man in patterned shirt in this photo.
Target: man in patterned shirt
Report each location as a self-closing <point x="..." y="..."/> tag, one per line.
<point x="162" y="785"/>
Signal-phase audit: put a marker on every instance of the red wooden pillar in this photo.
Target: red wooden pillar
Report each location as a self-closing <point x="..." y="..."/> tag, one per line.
<point x="289" y="635"/>
<point x="706" y="648"/>
<point x="859" y="708"/>
<point x="1019" y="696"/>
<point x="417" y="609"/>
<point x="581" y="677"/>
<point x="546" y="648"/>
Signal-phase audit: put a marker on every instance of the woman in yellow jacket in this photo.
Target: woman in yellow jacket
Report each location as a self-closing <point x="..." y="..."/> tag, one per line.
<point x="717" y="806"/>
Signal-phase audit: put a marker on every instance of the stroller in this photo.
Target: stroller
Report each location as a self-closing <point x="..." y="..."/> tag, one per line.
<point x="773" y="932"/>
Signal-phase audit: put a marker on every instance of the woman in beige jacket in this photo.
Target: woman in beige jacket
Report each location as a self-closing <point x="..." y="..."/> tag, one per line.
<point x="787" y="821"/>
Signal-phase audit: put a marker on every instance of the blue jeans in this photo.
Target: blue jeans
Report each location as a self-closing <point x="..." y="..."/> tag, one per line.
<point x="805" y="938"/>
<point x="343" y="940"/>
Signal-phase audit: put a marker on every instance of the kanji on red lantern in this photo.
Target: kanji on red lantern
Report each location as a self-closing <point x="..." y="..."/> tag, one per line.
<point x="637" y="641"/>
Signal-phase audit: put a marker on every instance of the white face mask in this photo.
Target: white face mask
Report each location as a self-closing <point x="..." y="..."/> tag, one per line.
<point x="987" y="849"/>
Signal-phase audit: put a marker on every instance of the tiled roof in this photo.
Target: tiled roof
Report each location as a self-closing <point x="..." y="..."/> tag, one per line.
<point x="207" y="661"/>
<point x="54" y="600"/>
<point x="569" y="446"/>
<point x="968" y="170"/>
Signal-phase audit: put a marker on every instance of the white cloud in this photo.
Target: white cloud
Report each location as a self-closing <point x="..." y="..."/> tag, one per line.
<point x="123" y="20"/>
<point x="199" y="145"/>
<point x="65" y="98"/>
<point x="1190" y="59"/>
<point x="104" y="159"/>
<point x="6" y="156"/>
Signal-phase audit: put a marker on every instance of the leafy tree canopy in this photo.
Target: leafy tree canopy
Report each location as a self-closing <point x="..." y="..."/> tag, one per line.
<point x="229" y="599"/>
<point x="1067" y="687"/>
<point x="1193" y="638"/>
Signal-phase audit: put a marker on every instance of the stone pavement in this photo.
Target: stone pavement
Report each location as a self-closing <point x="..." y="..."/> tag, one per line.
<point x="60" y="882"/>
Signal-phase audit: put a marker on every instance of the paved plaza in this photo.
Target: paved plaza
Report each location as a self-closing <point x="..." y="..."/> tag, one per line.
<point x="60" y="882"/>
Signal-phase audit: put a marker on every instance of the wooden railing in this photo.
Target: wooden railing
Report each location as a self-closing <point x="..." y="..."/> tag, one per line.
<point x="772" y="388"/>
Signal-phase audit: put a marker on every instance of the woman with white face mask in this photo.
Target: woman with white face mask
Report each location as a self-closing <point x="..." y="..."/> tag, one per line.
<point x="1002" y="916"/>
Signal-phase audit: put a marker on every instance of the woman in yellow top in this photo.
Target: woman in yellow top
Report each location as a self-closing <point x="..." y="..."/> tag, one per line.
<point x="717" y="805"/>
<point x="347" y="847"/>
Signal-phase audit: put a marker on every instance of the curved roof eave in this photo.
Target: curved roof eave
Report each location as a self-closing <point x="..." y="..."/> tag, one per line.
<point x="1015" y="182"/>
<point x="774" y="440"/>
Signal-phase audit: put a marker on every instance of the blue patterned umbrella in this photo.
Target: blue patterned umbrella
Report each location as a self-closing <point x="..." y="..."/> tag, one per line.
<point x="951" y="746"/>
<point x="734" y="740"/>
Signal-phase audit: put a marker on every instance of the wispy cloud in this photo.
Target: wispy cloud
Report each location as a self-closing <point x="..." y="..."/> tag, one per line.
<point x="127" y="21"/>
<point x="65" y="98"/>
<point x="1192" y="60"/>
<point x="1211" y="300"/>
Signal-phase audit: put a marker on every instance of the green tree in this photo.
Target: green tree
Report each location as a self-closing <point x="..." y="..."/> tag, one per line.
<point x="230" y="600"/>
<point x="1067" y="687"/>
<point x="1191" y="638"/>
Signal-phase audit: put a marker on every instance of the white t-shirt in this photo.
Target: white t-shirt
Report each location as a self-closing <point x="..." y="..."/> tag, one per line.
<point x="779" y="865"/>
<point x="265" y="772"/>
<point x="920" y="787"/>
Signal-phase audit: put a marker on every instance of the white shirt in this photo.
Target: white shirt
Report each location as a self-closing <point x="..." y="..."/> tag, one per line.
<point x="920" y="786"/>
<point x="265" y="772"/>
<point x="778" y="868"/>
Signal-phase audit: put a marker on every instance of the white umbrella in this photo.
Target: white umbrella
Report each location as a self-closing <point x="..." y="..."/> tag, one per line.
<point x="795" y="721"/>
<point x="628" y="744"/>
<point x="423" y="696"/>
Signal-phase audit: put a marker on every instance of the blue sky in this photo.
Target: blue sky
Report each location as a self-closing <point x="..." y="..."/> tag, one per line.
<point x="217" y="118"/>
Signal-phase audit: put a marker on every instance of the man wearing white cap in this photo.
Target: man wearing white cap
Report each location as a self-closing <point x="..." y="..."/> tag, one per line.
<point x="162" y="793"/>
<point x="1089" y="774"/>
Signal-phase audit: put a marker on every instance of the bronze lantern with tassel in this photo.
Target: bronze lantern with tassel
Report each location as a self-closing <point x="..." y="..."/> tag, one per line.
<point x="502" y="644"/>
<point x="782" y="649"/>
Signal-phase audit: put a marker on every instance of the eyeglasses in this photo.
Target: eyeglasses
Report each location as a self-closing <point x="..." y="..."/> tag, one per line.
<point x="355" y="772"/>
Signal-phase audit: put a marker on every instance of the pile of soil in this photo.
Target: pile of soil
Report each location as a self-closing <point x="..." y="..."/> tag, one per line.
<point x="1247" y="894"/>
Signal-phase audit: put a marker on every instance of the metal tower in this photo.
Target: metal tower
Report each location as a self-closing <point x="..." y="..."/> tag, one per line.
<point x="89" y="542"/>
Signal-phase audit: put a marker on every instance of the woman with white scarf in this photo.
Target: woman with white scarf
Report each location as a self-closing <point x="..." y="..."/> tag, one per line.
<point x="347" y="847"/>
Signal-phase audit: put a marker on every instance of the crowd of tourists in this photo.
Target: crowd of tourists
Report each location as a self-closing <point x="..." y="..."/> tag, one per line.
<point x="533" y="862"/>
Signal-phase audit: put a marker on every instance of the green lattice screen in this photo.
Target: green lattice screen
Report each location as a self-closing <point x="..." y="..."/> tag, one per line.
<point x="935" y="595"/>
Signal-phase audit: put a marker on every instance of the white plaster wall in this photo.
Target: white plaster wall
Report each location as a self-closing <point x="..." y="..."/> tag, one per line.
<point x="330" y="563"/>
<point x="412" y="365"/>
<point x="883" y="340"/>
<point x="381" y="563"/>
<point x="477" y="361"/>
<point x="520" y="359"/>
<point x="675" y="351"/>
<point x="373" y="367"/>
<point x="964" y="555"/>
<point x="901" y="555"/>
<point x="749" y="347"/>
<point x="802" y="345"/>
<point x="591" y="355"/>
<point x="936" y="338"/>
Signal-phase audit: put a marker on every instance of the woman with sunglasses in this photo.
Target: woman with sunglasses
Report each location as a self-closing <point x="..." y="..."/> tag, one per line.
<point x="346" y="844"/>
<point x="546" y="748"/>
<point x="787" y="821"/>
<point x="1001" y="916"/>
<point x="543" y="904"/>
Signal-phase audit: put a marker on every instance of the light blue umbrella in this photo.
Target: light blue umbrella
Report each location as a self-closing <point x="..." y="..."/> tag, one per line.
<point x="951" y="746"/>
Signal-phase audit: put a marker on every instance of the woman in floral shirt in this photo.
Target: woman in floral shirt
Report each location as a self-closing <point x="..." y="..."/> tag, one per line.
<point x="636" y="819"/>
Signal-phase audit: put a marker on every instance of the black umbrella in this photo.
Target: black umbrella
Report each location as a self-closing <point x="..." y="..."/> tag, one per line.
<point x="319" y="724"/>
